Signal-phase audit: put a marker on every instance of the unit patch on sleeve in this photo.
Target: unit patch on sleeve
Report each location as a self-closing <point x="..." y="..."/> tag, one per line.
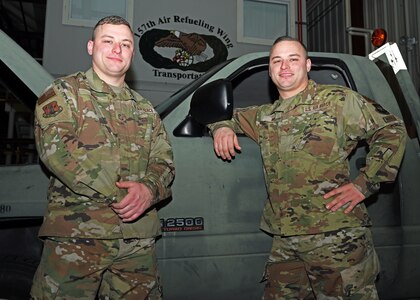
<point x="51" y="109"/>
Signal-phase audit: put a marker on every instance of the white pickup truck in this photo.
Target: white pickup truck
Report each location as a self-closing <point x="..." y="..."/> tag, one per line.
<point x="212" y="247"/>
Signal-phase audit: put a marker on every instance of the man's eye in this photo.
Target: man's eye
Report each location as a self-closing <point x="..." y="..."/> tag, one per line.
<point x="126" y="45"/>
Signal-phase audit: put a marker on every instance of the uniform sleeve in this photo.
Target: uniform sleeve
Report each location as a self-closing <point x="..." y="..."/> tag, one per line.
<point x="385" y="135"/>
<point x="244" y="121"/>
<point x="160" y="170"/>
<point x="84" y="170"/>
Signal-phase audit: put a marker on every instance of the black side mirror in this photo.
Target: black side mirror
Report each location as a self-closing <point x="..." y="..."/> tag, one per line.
<point x="212" y="102"/>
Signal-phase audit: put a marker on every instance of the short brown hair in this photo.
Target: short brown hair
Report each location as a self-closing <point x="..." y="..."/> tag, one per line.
<point x="114" y="20"/>
<point x="291" y="39"/>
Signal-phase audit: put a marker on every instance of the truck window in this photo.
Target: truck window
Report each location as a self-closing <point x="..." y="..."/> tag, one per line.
<point x="16" y="117"/>
<point x="252" y="85"/>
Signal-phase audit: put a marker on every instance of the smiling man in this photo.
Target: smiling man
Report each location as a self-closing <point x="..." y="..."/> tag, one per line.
<point x="322" y="246"/>
<point x="110" y="162"/>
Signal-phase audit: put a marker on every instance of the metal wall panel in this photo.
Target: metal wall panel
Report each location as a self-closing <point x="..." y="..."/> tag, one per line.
<point x="326" y="26"/>
<point x="329" y="20"/>
<point x="399" y="19"/>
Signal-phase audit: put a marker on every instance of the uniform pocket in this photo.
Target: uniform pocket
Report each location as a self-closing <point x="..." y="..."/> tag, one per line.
<point x="360" y="275"/>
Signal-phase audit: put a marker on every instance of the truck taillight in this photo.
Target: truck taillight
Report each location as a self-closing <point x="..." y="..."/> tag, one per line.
<point x="379" y="37"/>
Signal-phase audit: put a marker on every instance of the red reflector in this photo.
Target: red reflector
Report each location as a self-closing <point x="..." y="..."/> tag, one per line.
<point x="379" y="37"/>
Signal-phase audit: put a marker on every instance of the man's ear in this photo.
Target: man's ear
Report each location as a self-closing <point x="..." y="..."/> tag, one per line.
<point x="90" y="47"/>
<point x="308" y="64"/>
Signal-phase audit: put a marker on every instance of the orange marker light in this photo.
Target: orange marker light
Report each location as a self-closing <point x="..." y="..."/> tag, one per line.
<point x="379" y="36"/>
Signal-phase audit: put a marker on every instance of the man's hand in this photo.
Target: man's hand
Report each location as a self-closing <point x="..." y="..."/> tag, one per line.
<point x="137" y="200"/>
<point x="225" y="142"/>
<point x="346" y="194"/>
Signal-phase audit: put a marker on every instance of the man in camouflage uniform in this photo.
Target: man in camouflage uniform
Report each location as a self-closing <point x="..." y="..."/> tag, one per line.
<point x="322" y="248"/>
<point x="110" y="162"/>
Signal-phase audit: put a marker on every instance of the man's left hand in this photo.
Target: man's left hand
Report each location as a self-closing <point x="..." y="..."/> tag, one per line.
<point x="137" y="200"/>
<point x="345" y="194"/>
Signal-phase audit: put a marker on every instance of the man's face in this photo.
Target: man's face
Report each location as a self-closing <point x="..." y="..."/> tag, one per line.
<point x="112" y="52"/>
<point x="288" y="68"/>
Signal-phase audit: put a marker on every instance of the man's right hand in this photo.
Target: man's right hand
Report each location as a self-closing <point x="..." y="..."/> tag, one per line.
<point x="225" y="143"/>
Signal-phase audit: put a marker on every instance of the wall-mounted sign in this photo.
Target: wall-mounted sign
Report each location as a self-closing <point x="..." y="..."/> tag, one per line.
<point x="182" y="47"/>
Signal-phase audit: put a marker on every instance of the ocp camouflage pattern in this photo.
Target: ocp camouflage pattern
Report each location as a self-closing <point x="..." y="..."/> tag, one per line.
<point x="339" y="264"/>
<point x="89" y="138"/>
<point x="97" y="269"/>
<point x="305" y="143"/>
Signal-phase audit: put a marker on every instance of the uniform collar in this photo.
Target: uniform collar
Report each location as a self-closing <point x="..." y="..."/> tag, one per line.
<point x="100" y="86"/>
<point x="305" y="97"/>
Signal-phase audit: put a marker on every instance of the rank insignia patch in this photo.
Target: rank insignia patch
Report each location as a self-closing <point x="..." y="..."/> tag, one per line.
<point x="51" y="109"/>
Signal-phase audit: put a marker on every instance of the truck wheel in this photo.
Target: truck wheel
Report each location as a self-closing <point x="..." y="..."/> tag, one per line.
<point x="16" y="275"/>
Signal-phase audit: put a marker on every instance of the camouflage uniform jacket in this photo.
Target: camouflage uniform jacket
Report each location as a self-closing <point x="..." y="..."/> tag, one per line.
<point x="89" y="138"/>
<point x="305" y="142"/>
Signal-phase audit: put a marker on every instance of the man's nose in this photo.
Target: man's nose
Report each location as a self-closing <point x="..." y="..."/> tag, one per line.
<point x="116" y="48"/>
<point x="284" y="64"/>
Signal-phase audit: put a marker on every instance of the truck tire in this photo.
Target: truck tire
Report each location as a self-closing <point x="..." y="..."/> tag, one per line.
<point x="16" y="275"/>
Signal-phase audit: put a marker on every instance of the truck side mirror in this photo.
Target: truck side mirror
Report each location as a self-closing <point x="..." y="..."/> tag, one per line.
<point x="212" y="102"/>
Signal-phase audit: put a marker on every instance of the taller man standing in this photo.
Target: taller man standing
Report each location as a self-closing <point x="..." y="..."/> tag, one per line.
<point x="110" y="162"/>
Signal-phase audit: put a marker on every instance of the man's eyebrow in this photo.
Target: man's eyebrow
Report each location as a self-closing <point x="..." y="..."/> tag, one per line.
<point x="290" y="55"/>
<point x="112" y="37"/>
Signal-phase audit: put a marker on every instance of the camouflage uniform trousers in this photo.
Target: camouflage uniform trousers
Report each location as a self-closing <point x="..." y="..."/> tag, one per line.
<point x="340" y="264"/>
<point x="97" y="269"/>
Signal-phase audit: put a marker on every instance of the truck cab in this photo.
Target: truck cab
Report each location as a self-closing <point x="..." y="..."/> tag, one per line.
<point x="212" y="247"/>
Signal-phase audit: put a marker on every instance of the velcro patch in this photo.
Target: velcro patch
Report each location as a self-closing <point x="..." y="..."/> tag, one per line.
<point x="389" y="119"/>
<point x="380" y="109"/>
<point x="51" y="109"/>
<point x="45" y="96"/>
<point x="316" y="107"/>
